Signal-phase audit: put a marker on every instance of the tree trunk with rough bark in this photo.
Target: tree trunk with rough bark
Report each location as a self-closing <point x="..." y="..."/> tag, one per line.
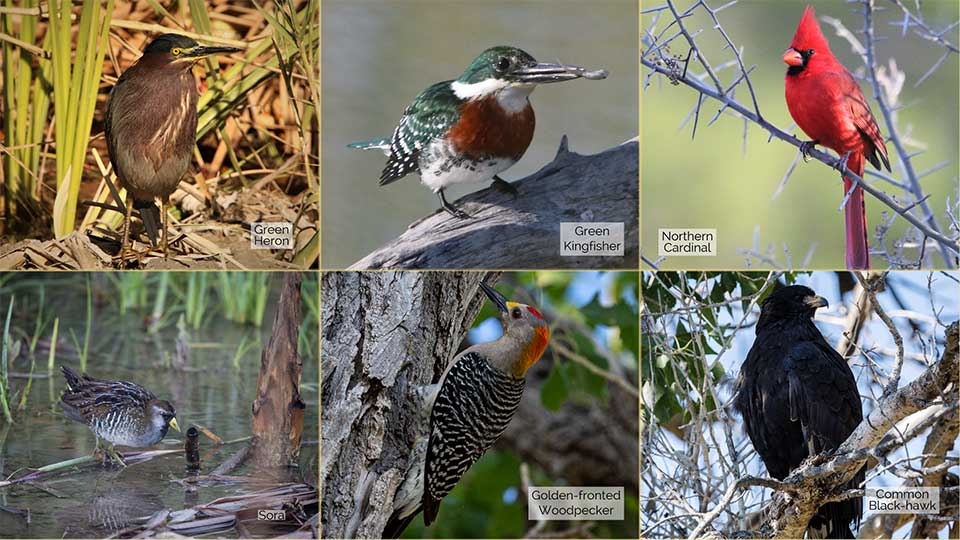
<point x="277" y="423"/>
<point x="383" y="335"/>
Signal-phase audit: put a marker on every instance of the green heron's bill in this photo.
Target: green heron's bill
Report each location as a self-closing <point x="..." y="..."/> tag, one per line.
<point x="151" y="128"/>
<point x="118" y="412"/>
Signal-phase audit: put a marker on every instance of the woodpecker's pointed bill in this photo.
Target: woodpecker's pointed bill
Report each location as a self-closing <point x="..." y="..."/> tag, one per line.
<point x="498" y="299"/>
<point x="472" y="128"/>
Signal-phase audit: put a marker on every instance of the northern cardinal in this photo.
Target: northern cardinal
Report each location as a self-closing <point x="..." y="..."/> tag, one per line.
<point x="827" y="104"/>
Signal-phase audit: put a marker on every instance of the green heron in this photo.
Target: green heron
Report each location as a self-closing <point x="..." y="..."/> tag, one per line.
<point x="151" y="128"/>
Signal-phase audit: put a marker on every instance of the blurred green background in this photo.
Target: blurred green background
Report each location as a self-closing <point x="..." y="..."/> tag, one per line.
<point x="378" y="55"/>
<point x="725" y="188"/>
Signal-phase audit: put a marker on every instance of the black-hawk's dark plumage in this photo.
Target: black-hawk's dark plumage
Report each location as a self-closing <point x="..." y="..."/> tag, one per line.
<point x="798" y="397"/>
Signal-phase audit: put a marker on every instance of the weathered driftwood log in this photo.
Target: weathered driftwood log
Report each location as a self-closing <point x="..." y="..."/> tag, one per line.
<point x="288" y="508"/>
<point x="524" y="232"/>
<point x="277" y="423"/>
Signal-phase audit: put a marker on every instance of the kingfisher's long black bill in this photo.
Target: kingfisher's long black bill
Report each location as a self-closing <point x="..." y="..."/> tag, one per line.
<point x="549" y="73"/>
<point x="816" y="302"/>
<point x="202" y="50"/>
<point x="495" y="297"/>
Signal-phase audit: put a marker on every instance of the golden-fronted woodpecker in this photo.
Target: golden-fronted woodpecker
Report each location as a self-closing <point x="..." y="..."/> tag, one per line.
<point x="472" y="405"/>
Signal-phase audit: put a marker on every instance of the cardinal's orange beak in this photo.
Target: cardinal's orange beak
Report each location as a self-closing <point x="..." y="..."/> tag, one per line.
<point x="792" y="58"/>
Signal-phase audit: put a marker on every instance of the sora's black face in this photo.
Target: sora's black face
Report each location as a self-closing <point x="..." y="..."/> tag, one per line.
<point x="164" y="415"/>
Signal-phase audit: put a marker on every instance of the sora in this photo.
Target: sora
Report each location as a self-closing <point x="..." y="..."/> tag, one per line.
<point x="118" y="412"/>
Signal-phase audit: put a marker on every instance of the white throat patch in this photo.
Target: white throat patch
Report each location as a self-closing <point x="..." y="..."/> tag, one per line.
<point x="512" y="97"/>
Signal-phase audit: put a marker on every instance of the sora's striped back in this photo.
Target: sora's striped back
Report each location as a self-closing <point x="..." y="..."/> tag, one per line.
<point x="119" y="412"/>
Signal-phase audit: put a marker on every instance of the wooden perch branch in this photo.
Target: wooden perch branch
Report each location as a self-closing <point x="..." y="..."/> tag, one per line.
<point x="524" y="232"/>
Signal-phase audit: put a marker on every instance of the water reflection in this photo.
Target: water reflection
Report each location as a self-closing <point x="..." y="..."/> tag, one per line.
<point x="112" y="508"/>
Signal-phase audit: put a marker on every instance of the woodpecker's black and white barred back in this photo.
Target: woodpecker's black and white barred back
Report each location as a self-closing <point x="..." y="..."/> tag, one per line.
<point x="469" y="415"/>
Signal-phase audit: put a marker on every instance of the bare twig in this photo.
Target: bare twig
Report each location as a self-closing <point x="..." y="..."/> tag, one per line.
<point x="893" y="132"/>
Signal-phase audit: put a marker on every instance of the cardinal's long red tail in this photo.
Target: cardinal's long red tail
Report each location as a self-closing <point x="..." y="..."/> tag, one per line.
<point x="855" y="219"/>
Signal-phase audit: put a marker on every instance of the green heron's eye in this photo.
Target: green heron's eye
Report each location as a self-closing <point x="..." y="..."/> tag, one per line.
<point x="503" y="63"/>
<point x="175" y="51"/>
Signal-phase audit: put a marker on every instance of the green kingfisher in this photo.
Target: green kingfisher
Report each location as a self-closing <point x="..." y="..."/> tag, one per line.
<point x="473" y="128"/>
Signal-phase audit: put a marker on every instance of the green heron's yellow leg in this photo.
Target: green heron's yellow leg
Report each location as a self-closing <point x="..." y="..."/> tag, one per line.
<point x="125" y="242"/>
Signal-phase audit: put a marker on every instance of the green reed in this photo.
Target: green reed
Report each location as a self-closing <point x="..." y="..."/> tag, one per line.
<point x="196" y="298"/>
<point x="26" y="103"/>
<point x="76" y="80"/>
<point x="4" y="369"/>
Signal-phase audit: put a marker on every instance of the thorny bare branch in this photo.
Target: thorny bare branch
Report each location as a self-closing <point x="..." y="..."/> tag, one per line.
<point x="917" y="211"/>
<point x="892" y="132"/>
<point x="871" y="290"/>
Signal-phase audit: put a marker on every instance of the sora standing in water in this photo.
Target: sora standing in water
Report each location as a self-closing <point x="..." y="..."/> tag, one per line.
<point x="118" y="412"/>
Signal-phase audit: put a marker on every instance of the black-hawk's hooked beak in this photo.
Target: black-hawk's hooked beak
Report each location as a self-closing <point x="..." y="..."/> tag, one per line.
<point x="201" y="50"/>
<point x="495" y="297"/>
<point x="548" y="73"/>
<point x="815" y="302"/>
